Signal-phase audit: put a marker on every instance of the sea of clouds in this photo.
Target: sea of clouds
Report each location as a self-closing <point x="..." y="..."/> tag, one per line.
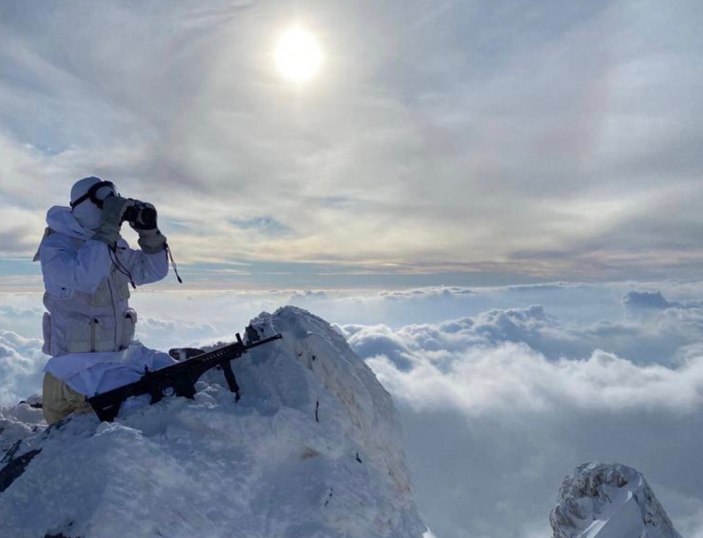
<point x="502" y="391"/>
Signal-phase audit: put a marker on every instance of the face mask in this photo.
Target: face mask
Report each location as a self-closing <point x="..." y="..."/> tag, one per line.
<point x="87" y="209"/>
<point x="88" y="215"/>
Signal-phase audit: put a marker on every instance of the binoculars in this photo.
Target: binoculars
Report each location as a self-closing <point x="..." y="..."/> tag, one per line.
<point x="140" y="215"/>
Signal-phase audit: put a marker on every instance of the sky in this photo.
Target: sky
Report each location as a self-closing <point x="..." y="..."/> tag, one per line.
<point x="451" y="142"/>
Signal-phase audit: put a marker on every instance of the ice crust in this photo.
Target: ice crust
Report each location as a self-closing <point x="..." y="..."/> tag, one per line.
<point x="313" y="449"/>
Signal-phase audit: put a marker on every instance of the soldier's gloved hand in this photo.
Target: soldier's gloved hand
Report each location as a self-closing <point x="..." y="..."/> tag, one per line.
<point x="113" y="209"/>
<point x="151" y="241"/>
<point x="143" y="219"/>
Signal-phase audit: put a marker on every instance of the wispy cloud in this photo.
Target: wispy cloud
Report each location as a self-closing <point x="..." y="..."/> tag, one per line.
<point x="543" y="139"/>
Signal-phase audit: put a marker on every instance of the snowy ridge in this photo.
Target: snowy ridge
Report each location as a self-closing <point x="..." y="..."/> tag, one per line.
<point x="313" y="449"/>
<point x="16" y="423"/>
<point x="609" y="501"/>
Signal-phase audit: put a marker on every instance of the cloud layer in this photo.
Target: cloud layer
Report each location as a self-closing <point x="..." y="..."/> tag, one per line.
<point x="21" y="364"/>
<point x="499" y="406"/>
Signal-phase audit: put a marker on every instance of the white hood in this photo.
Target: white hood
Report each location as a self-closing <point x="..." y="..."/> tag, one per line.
<point x="61" y="219"/>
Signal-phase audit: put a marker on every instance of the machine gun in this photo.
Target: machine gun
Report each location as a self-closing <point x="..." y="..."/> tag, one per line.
<point x="179" y="379"/>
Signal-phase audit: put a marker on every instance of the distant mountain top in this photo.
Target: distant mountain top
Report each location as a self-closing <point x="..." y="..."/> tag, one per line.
<point x="609" y="501"/>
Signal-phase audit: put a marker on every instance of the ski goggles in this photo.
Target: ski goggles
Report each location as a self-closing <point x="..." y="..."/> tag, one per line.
<point x="92" y="194"/>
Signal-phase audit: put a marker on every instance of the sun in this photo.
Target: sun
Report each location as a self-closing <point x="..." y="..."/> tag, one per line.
<point x="298" y="55"/>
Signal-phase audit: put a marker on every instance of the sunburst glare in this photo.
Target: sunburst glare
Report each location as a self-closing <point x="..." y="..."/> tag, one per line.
<point x="298" y="55"/>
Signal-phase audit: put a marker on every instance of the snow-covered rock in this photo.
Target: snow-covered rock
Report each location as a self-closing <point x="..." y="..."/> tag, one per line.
<point x="609" y="501"/>
<point x="16" y="423"/>
<point x="313" y="449"/>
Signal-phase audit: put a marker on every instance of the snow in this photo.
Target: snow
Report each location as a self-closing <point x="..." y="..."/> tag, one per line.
<point x="620" y="517"/>
<point x="313" y="449"/>
<point x="18" y="422"/>
<point x="609" y="501"/>
<point x="625" y="521"/>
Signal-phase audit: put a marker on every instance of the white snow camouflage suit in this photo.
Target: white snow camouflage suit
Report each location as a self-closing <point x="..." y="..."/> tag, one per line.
<point x="87" y="292"/>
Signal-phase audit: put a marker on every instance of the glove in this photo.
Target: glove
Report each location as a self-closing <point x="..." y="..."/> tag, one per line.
<point x="151" y="241"/>
<point x="142" y="219"/>
<point x="114" y="208"/>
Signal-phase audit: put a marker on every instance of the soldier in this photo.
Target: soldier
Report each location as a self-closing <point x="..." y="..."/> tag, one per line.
<point x="88" y="269"/>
